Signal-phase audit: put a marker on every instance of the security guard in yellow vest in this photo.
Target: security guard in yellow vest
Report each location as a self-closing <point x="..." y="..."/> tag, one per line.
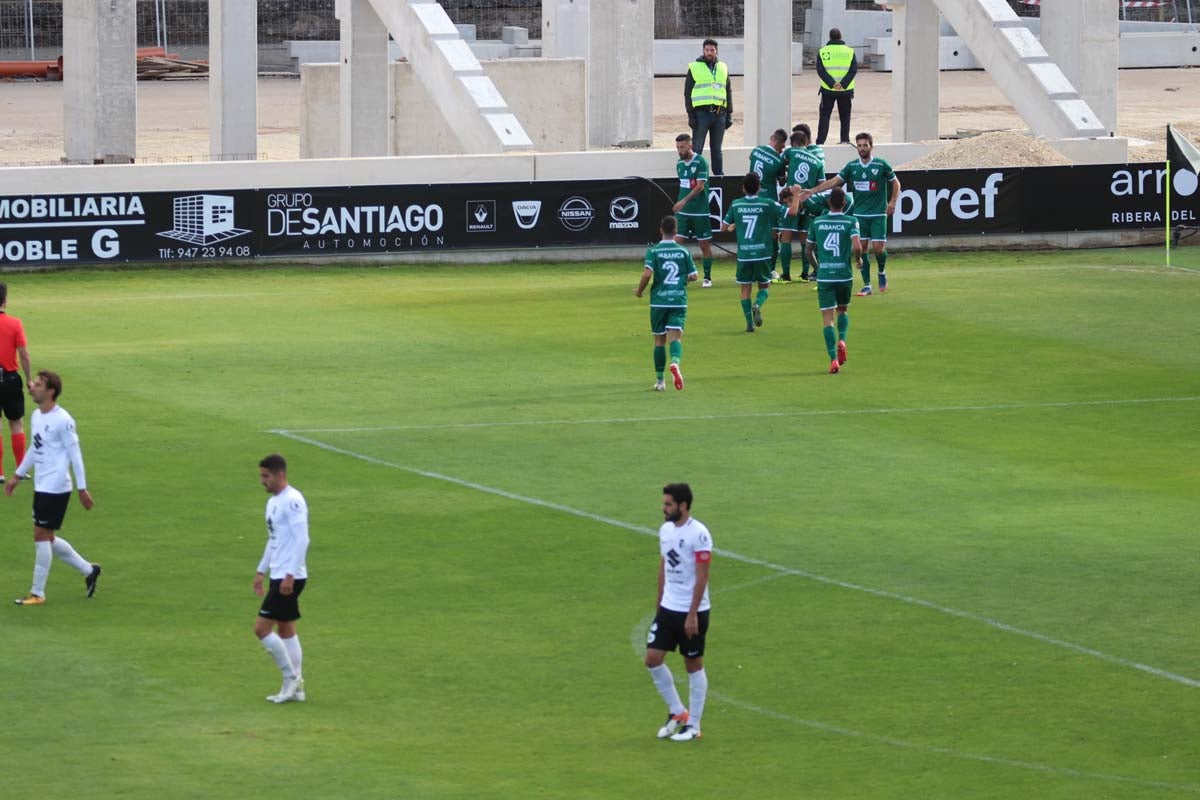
<point x="836" y="68"/>
<point x="708" y="97"/>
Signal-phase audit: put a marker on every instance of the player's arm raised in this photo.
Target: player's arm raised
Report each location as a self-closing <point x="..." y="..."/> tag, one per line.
<point x="836" y="180"/>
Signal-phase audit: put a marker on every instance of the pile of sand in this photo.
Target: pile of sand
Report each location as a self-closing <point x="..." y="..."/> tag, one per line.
<point x="995" y="149"/>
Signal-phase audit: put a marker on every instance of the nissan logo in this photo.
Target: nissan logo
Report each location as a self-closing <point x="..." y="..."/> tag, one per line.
<point x="576" y="213"/>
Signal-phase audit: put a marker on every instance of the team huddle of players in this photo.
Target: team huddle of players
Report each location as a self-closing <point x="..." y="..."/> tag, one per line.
<point x="786" y="196"/>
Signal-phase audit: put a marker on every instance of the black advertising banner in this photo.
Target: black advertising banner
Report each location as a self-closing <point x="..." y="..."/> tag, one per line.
<point x="1185" y="178"/>
<point x="58" y="230"/>
<point x="425" y="218"/>
<point x="164" y="227"/>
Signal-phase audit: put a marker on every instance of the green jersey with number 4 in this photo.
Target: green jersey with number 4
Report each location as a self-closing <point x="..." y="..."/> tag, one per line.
<point x="870" y="183"/>
<point x="767" y="164"/>
<point x="754" y="219"/>
<point x="833" y="234"/>
<point x="691" y="173"/>
<point x="671" y="264"/>
<point x="804" y="167"/>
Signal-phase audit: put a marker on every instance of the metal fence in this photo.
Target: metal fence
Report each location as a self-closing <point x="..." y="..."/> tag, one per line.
<point x="32" y="29"/>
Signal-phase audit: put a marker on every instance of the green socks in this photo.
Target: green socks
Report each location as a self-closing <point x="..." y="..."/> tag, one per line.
<point x="804" y="262"/>
<point x="708" y="269"/>
<point x="831" y="341"/>
<point x="676" y="352"/>
<point x="746" y="313"/>
<point x="774" y="253"/>
<point x="760" y="299"/>
<point x="660" y="360"/>
<point x="785" y="258"/>
<point x="882" y="266"/>
<point x="843" y="325"/>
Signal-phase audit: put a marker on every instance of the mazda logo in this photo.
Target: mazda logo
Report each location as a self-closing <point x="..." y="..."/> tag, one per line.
<point x="623" y="209"/>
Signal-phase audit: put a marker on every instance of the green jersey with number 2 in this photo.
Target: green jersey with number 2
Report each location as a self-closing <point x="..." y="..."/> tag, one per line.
<point x="671" y="265"/>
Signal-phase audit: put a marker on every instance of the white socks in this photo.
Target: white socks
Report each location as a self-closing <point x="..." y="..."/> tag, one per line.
<point x="665" y="683"/>
<point x="279" y="652"/>
<point x="295" y="654"/>
<point x="41" y="567"/>
<point x="698" y="689"/>
<point x="63" y="549"/>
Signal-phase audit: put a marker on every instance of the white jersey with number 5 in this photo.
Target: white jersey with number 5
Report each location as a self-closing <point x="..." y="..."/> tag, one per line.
<point x="682" y="546"/>
<point x="54" y="447"/>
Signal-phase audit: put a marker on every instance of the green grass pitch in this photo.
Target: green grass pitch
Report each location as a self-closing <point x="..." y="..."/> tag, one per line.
<point x="966" y="567"/>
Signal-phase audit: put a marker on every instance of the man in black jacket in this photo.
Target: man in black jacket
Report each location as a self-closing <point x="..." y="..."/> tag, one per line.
<point x="836" y="68"/>
<point x="708" y="98"/>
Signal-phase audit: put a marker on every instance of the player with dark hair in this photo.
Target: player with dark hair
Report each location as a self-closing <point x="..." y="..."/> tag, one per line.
<point x="670" y="266"/>
<point x="54" y="455"/>
<point x="285" y="559"/>
<point x="805" y="168"/>
<point x="767" y="162"/>
<point x="13" y="348"/>
<point x="833" y="238"/>
<point x="876" y="190"/>
<point x="682" y="609"/>
<point x="691" y="210"/>
<point x="754" y="218"/>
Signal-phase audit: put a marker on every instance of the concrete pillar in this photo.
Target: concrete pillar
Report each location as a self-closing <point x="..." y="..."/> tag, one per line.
<point x="232" y="79"/>
<point x="366" y="92"/>
<point x="768" y="92"/>
<point x="616" y="37"/>
<point x="100" y="73"/>
<point x="915" y="92"/>
<point x="1082" y="37"/>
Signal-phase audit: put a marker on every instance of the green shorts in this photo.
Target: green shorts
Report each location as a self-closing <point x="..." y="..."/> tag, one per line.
<point x="698" y="228"/>
<point x="668" y="317"/>
<point x="831" y="294"/>
<point x="872" y="228"/>
<point x="754" y="271"/>
<point x="793" y="223"/>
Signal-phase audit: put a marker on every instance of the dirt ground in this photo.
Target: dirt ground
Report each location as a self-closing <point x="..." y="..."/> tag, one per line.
<point x="173" y="116"/>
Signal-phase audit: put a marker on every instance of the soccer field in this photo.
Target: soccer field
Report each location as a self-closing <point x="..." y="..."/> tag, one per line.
<point x="965" y="567"/>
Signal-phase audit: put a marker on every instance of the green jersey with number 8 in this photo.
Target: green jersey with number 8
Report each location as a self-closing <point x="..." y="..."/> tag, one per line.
<point x="671" y="264"/>
<point x="833" y="234"/>
<point x="805" y="168"/>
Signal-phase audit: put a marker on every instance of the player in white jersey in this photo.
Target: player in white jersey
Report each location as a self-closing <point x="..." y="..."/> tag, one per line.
<point x="681" y="619"/>
<point x="284" y="558"/>
<point x="54" y="455"/>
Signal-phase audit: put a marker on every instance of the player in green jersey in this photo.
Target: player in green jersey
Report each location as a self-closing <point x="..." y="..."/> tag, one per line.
<point x="670" y="266"/>
<point x="754" y="218"/>
<point x="691" y="211"/>
<point x="834" y="244"/>
<point x="876" y="190"/>
<point x="767" y="162"/>
<point x="805" y="169"/>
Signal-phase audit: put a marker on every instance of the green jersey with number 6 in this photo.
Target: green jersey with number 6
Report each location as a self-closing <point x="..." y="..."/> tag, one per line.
<point x="805" y="168"/>
<point x="671" y="264"/>
<point x="870" y="183"/>
<point x="833" y="234"/>
<point x="767" y="165"/>
<point x="754" y="219"/>
<point x="691" y="173"/>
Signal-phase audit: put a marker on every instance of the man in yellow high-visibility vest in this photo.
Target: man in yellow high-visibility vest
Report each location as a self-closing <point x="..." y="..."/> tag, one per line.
<point x="836" y="68"/>
<point x="708" y="97"/>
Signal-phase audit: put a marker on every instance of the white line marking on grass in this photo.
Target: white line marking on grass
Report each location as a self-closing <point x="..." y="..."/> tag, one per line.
<point x="616" y="523"/>
<point x="637" y="640"/>
<point x="836" y="412"/>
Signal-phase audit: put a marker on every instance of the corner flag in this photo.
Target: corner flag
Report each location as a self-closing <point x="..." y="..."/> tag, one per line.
<point x="1183" y="177"/>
